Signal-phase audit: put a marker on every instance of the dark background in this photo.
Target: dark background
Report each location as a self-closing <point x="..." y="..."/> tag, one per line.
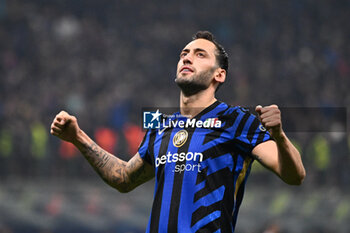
<point x="102" y="61"/>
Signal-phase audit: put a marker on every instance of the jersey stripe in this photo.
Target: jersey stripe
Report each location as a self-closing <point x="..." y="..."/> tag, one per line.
<point x="252" y="129"/>
<point x="156" y="208"/>
<point x="152" y="138"/>
<point x="241" y="125"/>
<point x="176" y="196"/>
<point x="242" y="174"/>
<point x="212" y="226"/>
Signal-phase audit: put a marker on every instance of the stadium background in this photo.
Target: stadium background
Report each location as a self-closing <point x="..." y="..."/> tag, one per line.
<point x="104" y="60"/>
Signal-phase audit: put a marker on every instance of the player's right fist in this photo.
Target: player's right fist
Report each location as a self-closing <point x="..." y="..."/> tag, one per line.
<point x="65" y="127"/>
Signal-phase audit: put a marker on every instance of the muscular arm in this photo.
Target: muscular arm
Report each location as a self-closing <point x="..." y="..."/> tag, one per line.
<point x="280" y="155"/>
<point x="124" y="176"/>
<point x="282" y="158"/>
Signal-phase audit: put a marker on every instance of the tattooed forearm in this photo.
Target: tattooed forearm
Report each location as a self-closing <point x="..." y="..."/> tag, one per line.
<point x="119" y="175"/>
<point x="124" y="176"/>
<point x="110" y="168"/>
<point x="96" y="155"/>
<point x="138" y="171"/>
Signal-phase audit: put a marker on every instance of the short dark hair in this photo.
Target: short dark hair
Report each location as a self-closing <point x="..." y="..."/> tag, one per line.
<point x="221" y="55"/>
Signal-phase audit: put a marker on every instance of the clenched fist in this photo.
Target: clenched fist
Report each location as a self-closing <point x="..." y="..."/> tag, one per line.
<point x="270" y="117"/>
<point x="65" y="127"/>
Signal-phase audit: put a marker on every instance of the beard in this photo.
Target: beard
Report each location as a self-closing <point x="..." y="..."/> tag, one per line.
<point x="196" y="83"/>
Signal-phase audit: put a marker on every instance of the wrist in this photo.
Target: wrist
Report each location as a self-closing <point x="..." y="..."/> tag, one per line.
<point x="279" y="137"/>
<point x="79" y="138"/>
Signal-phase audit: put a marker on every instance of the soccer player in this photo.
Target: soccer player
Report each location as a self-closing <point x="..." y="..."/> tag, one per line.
<point x="200" y="172"/>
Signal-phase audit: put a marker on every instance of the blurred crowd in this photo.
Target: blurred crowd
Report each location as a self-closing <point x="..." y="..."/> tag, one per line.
<point x="102" y="61"/>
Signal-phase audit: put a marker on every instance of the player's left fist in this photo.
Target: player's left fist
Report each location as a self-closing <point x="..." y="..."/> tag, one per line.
<point x="270" y="118"/>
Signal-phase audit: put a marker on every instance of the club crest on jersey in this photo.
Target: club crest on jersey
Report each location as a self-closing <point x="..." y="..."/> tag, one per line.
<point x="262" y="128"/>
<point x="180" y="138"/>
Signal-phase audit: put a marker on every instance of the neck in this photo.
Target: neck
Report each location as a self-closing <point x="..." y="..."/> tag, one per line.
<point x="194" y="104"/>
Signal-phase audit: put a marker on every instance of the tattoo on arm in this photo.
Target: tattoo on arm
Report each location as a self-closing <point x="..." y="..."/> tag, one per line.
<point x="138" y="171"/>
<point x="119" y="175"/>
<point x="116" y="172"/>
<point x="110" y="168"/>
<point x="96" y="155"/>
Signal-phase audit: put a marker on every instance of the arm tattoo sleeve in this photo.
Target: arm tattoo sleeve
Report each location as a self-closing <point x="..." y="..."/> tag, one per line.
<point x="96" y="155"/>
<point x="138" y="172"/>
<point x="124" y="176"/>
<point x="110" y="168"/>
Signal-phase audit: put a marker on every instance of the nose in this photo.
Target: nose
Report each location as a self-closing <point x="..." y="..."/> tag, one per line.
<point x="187" y="59"/>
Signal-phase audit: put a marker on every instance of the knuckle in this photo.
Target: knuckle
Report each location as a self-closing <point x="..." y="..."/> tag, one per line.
<point x="73" y="119"/>
<point x="268" y="125"/>
<point x="63" y="113"/>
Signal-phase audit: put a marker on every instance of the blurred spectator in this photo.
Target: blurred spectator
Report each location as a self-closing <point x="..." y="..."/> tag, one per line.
<point x="134" y="135"/>
<point x="67" y="150"/>
<point x="273" y="228"/>
<point x="6" y="143"/>
<point x="39" y="140"/>
<point x="107" y="139"/>
<point x="55" y="56"/>
<point x="103" y="61"/>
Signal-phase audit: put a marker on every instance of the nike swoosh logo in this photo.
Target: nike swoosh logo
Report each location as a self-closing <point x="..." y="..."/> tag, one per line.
<point x="162" y="130"/>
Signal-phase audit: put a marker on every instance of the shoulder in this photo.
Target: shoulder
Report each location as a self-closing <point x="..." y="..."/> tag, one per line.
<point x="234" y="112"/>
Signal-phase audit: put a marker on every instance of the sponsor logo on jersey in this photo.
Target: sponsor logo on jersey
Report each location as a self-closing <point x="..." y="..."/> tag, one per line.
<point x="191" y="161"/>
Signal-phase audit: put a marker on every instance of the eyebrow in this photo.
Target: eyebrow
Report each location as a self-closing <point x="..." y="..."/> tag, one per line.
<point x="195" y="50"/>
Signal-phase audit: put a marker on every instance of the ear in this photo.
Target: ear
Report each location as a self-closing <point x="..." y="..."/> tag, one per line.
<point x="220" y="75"/>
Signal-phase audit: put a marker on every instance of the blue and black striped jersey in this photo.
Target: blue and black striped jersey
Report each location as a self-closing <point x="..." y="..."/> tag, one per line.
<point x="201" y="172"/>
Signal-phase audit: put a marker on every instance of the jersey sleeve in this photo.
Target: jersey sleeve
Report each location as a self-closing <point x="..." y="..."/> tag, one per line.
<point x="144" y="148"/>
<point x="249" y="132"/>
